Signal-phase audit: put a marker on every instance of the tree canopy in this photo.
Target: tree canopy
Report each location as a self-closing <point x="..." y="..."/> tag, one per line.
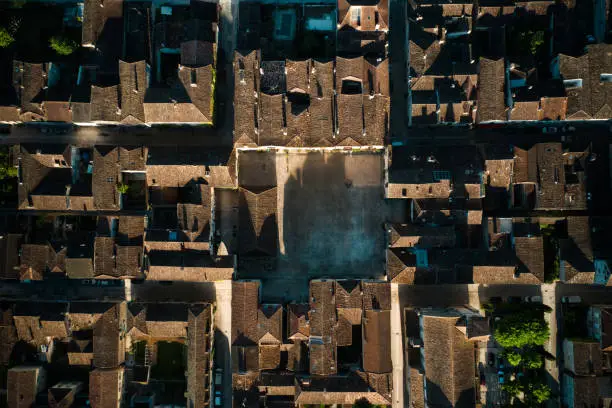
<point x="6" y="38"/>
<point x="520" y="330"/>
<point x="63" y="45"/>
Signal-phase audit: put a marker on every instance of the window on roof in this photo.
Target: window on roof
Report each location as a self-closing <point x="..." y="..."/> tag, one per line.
<point x="572" y="83"/>
<point x="109" y="179"/>
<point x="556" y="175"/>
<point x="605" y="78"/>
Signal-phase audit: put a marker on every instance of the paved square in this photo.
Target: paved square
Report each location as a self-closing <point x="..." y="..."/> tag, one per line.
<point x="331" y="212"/>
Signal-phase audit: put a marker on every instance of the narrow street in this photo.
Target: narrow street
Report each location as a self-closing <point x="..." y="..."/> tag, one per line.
<point x="397" y="348"/>
<point x="223" y="333"/>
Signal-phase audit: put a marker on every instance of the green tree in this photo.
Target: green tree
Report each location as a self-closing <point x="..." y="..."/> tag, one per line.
<point x="520" y="330"/>
<point x="123" y="188"/>
<point x="512" y="388"/>
<point x="63" y="45"/>
<point x="539" y="393"/>
<point x="7" y="172"/>
<point x="6" y="38"/>
<point x="513" y="357"/>
<point x="532" y="360"/>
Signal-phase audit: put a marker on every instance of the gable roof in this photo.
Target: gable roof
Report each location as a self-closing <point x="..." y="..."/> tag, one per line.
<point x="258" y="223"/>
<point x="377" y="341"/>
<point x="491" y="79"/>
<point x="449" y="362"/>
<point x="593" y="98"/>
<point x="105" y="386"/>
<point x="133" y="84"/>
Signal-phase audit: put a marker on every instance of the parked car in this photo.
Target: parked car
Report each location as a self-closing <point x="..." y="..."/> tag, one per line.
<point x="549" y="129"/>
<point x="491" y="359"/>
<point x="218" y="398"/>
<point x="571" y="299"/>
<point x="533" y="299"/>
<point x="500" y="376"/>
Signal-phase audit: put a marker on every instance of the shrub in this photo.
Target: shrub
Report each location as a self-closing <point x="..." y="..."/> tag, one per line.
<point x="63" y="45"/>
<point x="123" y="188"/>
<point x="6" y="38"/>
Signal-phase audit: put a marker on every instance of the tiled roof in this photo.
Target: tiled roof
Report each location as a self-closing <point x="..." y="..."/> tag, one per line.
<point x="321" y="79"/>
<point x="258" y="224"/>
<point x="133" y="84"/>
<point x="23" y="385"/>
<point x="376" y="295"/>
<point x="29" y="81"/>
<point x="108" y="341"/>
<point x="269" y="324"/>
<point x="199" y="332"/>
<point x="246" y="84"/>
<point x="530" y="255"/>
<point x="491" y="78"/>
<point x="105" y="387"/>
<point x="584" y="357"/>
<point x="377" y="341"/>
<point x="449" y="362"/>
<point x="272" y="120"/>
<point x="593" y="98"/>
<point x="410" y="235"/>
<point x="198" y="83"/>
<point x="298" y="75"/>
<point x="96" y="13"/>
<point x="576" y="252"/>
<point x="374" y="15"/>
<point x="188" y="265"/>
<point x="9" y="253"/>
<point x="297" y="321"/>
<point x="105" y="104"/>
<point x="245" y="300"/>
<point x="106" y="177"/>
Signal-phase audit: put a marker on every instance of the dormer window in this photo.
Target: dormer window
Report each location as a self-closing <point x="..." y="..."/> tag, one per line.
<point x="194" y="78"/>
<point x="135" y="79"/>
<point x="356" y="16"/>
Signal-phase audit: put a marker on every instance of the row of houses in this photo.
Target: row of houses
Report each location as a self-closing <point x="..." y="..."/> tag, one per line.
<point x="492" y="216"/>
<point x="336" y="349"/>
<point x="345" y="102"/>
<point x="86" y="354"/>
<point x="139" y="64"/>
<point x="478" y="62"/>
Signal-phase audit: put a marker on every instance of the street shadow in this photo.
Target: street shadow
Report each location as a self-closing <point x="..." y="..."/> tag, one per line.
<point x="222" y="361"/>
